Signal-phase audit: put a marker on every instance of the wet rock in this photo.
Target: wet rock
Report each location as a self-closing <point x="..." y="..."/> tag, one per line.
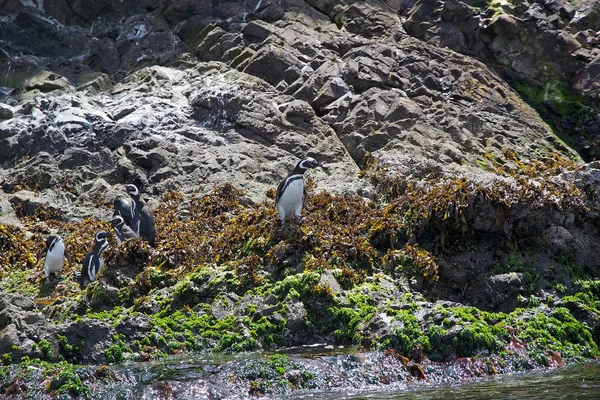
<point x="222" y="307"/>
<point x="267" y="311"/>
<point x="95" y="335"/>
<point x="102" y="296"/>
<point x="504" y="290"/>
<point x="134" y="327"/>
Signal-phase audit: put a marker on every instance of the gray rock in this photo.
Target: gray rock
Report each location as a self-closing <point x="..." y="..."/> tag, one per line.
<point x="94" y="82"/>
<point x="328" y="280"/>
<point x="6" y="111"/>
<point x="47" y="81"/>
<point x="94" y="334"/>
<point x="222" y="307"/>
<point x="134" y="327"/>
<point x="27" y="203"/>
<point x="528" y="40"/>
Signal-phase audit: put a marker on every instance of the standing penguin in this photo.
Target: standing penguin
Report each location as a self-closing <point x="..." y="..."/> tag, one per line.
<point x="291" y="194"/>
<point x="123" y="206"/>
<point x="143" y="220"/>
<point x="55" y="253"/>
<point x="122" y="230"/>
<point x="93" y="260"/>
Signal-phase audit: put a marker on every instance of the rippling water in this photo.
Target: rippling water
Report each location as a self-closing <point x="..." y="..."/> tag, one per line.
<point x="208" y="377"/>
<point x="573" y="382"/>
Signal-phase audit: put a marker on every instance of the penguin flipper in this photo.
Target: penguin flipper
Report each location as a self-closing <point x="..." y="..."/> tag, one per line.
<point x="279" y="191"/>
<point x="41" y="254"/>
<point x="68" y="257"/>
<point x="304" y="196"/>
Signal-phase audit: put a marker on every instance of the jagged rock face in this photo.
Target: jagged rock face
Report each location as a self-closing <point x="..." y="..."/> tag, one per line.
<point x="23" y="327"/>
<point x="547" y="49"/>
<point x="173" y="95"/>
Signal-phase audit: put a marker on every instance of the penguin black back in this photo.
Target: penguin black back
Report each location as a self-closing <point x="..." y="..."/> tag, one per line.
<point x="122" y="231"/>
<point x="143" y="220"/>
<point x="123" y="206"/>
<point x="93" y="260"/>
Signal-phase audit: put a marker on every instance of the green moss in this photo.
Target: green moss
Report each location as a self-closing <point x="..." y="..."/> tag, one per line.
<point x="18" y="282"/>
<point x="46" y="348"/>
<point x="60" y="380"/>
<point x="559" y="331"/>
<point x="6" y="359"/>
<point x="410" y="333"/>
<point x="275" y="374"/>
<point x="69" y="381"/>
<point x="112" y="315"/>
<point x="439" y="346"/>
<point x="478" y="336"/>
<point x="114" y="354"/>
<point x="205" y="331"/>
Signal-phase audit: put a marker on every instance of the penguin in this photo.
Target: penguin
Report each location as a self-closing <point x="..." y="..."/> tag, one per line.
<point x="122" y="230"/>
<point x="55" y="254"/>
<point x="291" y="193"/>
<point x="143" y="220"/>
<point x="93" y="260"/>
<point x="123" y="206"/>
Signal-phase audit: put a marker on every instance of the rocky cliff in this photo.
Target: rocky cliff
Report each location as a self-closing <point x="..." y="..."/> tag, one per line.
<point x="460" y="139"/>
<point x="172" y="95"/>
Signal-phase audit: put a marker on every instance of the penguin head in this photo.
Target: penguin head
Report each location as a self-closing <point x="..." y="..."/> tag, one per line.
<point x="309" y="163"/>
<point x="132" y="190"/>
<point x="117" y="221"/>
<point x="51" y="240"/>
<point x="101" y="236"/>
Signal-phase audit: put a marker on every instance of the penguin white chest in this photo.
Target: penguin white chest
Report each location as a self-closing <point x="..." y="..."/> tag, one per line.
<point x="55" y="258"/>
<point x="292" y="198"/>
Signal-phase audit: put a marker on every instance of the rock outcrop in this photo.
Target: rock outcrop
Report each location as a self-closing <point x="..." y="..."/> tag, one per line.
<point x="173" y="95"/>
<point x="548" y="50"/>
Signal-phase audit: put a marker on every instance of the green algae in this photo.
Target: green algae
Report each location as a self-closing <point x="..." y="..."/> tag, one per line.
<point x="46" y="348"/>
<point x="275" y="374"/>
<point x="58" y="380"/>
<point x="6" y="359"/>
<point x="18" y="282"/>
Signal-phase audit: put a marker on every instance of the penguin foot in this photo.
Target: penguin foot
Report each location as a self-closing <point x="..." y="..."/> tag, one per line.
<point x="298" y="219"/>
<point x="47" y="280"/>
